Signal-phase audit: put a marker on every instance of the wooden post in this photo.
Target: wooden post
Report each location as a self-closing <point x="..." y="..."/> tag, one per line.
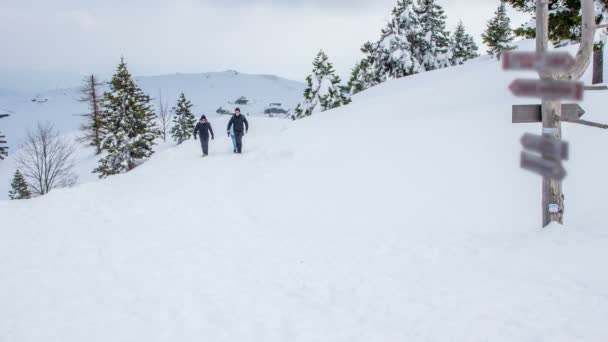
<point x="551" y="115"/>
<point x="553" y="197"/>
<point x="598" y="64"/>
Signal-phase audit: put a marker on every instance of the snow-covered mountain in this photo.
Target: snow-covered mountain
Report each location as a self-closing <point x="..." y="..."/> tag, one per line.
<point x="207" y="91"/>
<point x="401" y="217"/>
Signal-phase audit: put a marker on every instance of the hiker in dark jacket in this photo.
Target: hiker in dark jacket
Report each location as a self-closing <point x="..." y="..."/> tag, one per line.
<point x="203" y="130"/>
<point x="241" y="126"/>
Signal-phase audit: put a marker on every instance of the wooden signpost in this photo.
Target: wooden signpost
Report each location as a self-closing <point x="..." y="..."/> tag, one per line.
<point x="558" y="74"/>
<point x="533" y="113"/>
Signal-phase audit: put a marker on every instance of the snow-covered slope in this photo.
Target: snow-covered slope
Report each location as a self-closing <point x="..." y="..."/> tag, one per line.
<point x="401" y="217"/>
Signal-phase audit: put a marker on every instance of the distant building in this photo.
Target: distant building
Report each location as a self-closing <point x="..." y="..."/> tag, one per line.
<point x="223" y="111"/>
<point x="241" y="101"/>
<point x="275" y="109"/>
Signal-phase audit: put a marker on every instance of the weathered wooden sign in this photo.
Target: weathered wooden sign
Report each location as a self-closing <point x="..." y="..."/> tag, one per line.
<point x="532" y="113"/>
<point x="543" y="62"/>
<point x="545" y="167"/>
<point x="548" y="89"/>
<point x="547" y="147"/>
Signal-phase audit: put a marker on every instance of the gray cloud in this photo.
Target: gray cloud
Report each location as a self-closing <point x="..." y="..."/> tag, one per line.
<point x="163" y="36"/>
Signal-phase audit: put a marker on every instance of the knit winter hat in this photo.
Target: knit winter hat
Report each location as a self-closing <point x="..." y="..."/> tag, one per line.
<point x="203" y="117"/>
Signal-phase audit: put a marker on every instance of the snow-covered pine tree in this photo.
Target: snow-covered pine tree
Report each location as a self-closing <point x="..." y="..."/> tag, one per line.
<point x="130" y="124"/>
<point x="3" y="147"/>
<point x="323" y="91"/>
<point x="19" y="188"/>
<point x="498" y="33"/>
<point x="359" y="77"/>
<point x="92" y="133"/>
<point x="183" y="121"/>
<point x="432" y="46"/>
<point x="462" y="45"/>
<point x="394" y="57"/>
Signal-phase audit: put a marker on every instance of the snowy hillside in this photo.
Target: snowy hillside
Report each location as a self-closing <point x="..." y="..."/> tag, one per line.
<point x="401" y="217"/>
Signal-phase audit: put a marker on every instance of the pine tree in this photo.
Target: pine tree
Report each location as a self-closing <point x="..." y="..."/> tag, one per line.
<point x="462" y="45"/>
<point x="498" y="34"/>
<point x="3" y="147"/>
<point x="432" y="45"/>
<point x="183" y="121"/>
<point x="323" y="91"/>
<point x="19" y="188"/>
<point x="130" y="124"/>
<point x="359" y="77"/>
<point x="395" y="55"/>
<point x="92" y="129"/>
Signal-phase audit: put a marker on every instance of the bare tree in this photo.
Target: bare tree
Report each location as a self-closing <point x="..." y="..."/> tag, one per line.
<point x="46" y="160"/>
<point x="92" y="129"/>
<point x="164" y="115"/>
<point x="3" y="147"/>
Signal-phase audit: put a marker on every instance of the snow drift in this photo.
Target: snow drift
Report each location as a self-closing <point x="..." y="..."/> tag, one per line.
<point x="401" y="217"/>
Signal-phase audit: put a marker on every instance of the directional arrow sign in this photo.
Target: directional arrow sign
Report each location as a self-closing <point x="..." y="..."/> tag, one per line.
<point x="545" y="61"/>
<point x="547" y="147"/>
<point x="571" y="112"/>
<point x="548" y="89"/>
<point x="547" y="168"/>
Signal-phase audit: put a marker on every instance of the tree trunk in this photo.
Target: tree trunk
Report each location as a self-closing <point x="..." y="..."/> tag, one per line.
<point x="598" y="64"/>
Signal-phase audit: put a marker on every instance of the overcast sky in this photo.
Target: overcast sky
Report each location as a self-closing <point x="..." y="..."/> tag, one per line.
<point x="49" y="43"/>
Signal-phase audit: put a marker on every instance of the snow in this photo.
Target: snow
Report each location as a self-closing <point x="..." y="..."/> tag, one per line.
<point x="401" y="217"/>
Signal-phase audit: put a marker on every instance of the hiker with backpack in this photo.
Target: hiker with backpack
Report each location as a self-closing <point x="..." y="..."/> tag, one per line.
<point x="239" y="123"/>
<point x="204" y="130"/>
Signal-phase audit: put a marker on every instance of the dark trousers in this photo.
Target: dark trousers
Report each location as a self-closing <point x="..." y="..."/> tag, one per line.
<point x="205" y="144"/>
<point x="239" y="141"/>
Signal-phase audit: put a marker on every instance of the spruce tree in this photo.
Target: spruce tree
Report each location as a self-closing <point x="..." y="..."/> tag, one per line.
<point x="395" y="56"/>
<point x="359" y="77"/>
<point x="183" y="121"/>
<point x="462" y="45"/>
<point x="3" y="147"/>
<point x="19" y="188"/>
<point x="432" y="45"/>
<point x="323" y="91"/>
<point x="130" y="124"/>
<point x="498" y="33"/>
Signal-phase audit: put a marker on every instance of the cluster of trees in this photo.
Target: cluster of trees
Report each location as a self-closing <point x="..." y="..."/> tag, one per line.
<point x="415" y="40"/>
<point x="121" y="125"/>
<point x="124" y="127"/>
